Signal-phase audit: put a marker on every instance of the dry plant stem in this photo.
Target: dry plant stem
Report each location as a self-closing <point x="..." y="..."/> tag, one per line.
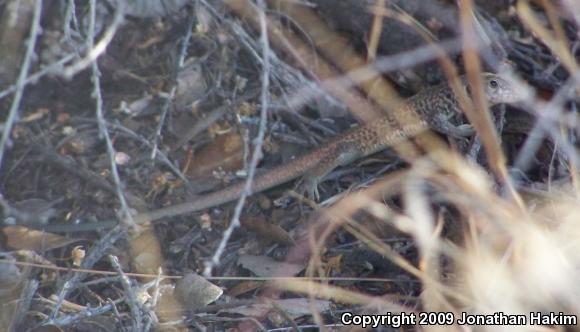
<point x="21" y="82"/>
<point x="382" y="65"/>
<point x="556" y="45"/>
<point x="481" y="117"/>
<point x="259" y="141"/>
<point x="404" y="17"/>
<point x="96" y="50"/>
<point x="69" y="17"/>
<point x="333" y="46"/>
<point x="374" y="243"/>
<point x="375" y="35"/>
<point x="310" y="246"/>
<point x="436" y="105"/>
<point x="97" y="95"/>
<point x="318" y="239"/>
<point x="346" y="58"/>
<point x="561" y="39"/>
<point x="459" y="187"/>
<point x="15" y="23"/>
<point x="552" y="121"/>
<point x="377" y="89"/>
<point x="449" y="69"/>
<point x="288" y="43"/>
<point x="156" y="276"/>
<point x="91" y="312"/>
<point x="465" y="103"/>
<point x="24" y="303"/>
<point x="173" y="90"/>
<point x="52" y="68"/>
<point x="130" y="296"/>
<point x="548" y="116"/>
<point x="451" y="72"/>
<point x="201" y="125"/>
<point x="426" y="237"/>
<point x="160" y="156"/>
<point x="70" y="166"/>
<point x="92" y="257"/>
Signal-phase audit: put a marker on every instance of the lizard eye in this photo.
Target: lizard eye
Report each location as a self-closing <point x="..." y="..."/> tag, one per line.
<point x="493" y="84"/>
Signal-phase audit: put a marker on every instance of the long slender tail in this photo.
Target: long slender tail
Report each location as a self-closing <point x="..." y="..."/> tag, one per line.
<point x="270" y="179"/>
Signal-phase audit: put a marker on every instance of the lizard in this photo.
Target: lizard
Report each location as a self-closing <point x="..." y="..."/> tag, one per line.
<point x="437" y="108"/>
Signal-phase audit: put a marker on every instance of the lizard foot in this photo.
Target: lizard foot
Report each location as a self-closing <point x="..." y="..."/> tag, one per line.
<point x="309" y="186"/>
<point x="465" y="130"/>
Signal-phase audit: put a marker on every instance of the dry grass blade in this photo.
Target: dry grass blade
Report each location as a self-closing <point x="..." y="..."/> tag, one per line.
<point x="375" y="33"/>
<point x="558" y="42"/>
<point x="481" y="117"/>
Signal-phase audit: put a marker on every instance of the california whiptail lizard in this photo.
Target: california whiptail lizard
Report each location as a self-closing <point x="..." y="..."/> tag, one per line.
<point x="437" y="108"/>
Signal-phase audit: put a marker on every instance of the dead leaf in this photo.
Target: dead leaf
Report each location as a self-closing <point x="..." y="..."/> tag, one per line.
<point x="195" y="292"/>
<point x="22" y="238"/>
<point x="264" y="266"/>
<point x="225" y="152"/>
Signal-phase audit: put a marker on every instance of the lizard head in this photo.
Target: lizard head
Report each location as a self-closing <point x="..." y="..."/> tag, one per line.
<point x="499" y="91"/>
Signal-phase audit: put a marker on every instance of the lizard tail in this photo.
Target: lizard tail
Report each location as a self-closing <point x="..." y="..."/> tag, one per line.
<point x="270" y="179"/>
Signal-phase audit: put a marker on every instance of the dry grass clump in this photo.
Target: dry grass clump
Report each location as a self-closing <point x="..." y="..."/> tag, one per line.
<point x="479" y="254"/>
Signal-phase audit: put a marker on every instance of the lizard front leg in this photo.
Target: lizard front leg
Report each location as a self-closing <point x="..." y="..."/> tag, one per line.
<point x="442" y="124"/>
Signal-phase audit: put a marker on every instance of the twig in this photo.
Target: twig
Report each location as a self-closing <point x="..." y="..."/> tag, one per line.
<point x="171" y="95"/>
<point x="94" y="51"/>
<point x="69" y="165"/>
<point x="549" y="112"/>
<point x="97" y="95"/>
<point x="130" y="296"/>
<point x="382" y="65"/>
<point x="375" y="33"/>
<point x="53" y="67"/>
<point x="24" y="302"/>
<point x="93" y="256"/>
<point x="21" y="83"/>
<point x="201" y="125"/>
<point x="257" y="155"/>
<point x="90" y="312"/>
<point x="69" y="17"/>
<point x="160" y="155"/>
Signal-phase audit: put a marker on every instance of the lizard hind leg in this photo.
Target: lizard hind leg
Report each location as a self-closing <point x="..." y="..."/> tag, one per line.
<point x="336" y="155"/>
